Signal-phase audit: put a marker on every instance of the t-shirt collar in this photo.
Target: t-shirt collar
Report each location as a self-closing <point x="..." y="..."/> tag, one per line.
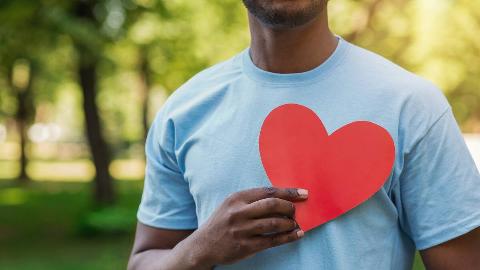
<point x="260" y="75"/>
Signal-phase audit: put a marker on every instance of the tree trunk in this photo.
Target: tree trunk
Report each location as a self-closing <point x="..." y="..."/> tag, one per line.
<point x="21" y="119"/>
<point x="22" y="126"/>
<point x="87" y="75"/>
<point x="145" y="89"/>
<point x="24" y="114"/>
<point x="104" y="190"/>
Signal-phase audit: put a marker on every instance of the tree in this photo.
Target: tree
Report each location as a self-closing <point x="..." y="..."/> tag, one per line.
<point x="415" y="35"/>
<point x="18" y="62"/>
<point x="20" y="81"/>
<point x="76" y="20"/>
<point x="87" y="77"/>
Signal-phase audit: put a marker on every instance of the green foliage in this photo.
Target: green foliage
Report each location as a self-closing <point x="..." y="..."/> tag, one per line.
<point x="39" y="227"/>
<point x="112" y="220"/>
<point x="174" y="36"/>
<point x="435" y="39"/>
<point x="180" y="38"/>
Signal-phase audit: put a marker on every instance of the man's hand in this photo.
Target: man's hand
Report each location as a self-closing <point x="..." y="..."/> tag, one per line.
<point x="245" y="223"/>
<point x="248" y="222"/>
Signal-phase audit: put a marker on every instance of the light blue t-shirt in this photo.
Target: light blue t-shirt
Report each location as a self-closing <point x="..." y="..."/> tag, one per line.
<point x="203" y="146"/>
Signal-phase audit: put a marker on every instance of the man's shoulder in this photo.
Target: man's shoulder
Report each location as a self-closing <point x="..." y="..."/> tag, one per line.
<point x="376" y="69"/>
<point x="379" y="75"/>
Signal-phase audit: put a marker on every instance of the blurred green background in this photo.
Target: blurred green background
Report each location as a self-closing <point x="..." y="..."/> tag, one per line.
<point x="80" y="82"/>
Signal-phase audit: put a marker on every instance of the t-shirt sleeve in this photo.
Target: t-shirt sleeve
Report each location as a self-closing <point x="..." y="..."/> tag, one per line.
<point x="439" y="186"/>
<point x="166" y="199"/>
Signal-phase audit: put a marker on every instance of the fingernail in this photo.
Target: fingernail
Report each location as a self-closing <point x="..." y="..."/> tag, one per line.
<point x="302" y="192"/>
<point x="300" y="233"/>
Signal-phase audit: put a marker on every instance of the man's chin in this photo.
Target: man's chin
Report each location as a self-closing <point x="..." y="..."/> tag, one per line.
<point x="284" y="13"/>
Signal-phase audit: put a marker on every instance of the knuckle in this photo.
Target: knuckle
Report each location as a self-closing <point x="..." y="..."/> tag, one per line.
<point x="271" y="204"/>
<point x="232" y="216"/>
<point x="274" y="224"/>
<point x="275" y="240"/>
<point x="231" y="198"/>
<point x="241" y="246"/>
<point x="292" y="192"/>
<point x="289" y="225"/>
<point x="237" y="247"/>
<point x="293" y="224"/>
<point x="292" y="208"/>
<point x="244" y="244"/>
<point x="236" y="212"/>
<point x="270" y="191"/>
<point x="234" y="233"/>
<point x="259" y="227"/>
<point x="291" y="238"/>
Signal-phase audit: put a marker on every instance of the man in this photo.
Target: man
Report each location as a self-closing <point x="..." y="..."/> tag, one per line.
<point x="207" y="201"/>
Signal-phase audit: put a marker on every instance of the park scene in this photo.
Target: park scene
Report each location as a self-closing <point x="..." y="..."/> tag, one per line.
<point x="81" y="82"/>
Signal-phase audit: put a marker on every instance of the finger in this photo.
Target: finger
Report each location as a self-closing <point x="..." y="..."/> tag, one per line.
<point x="289" y="194"/>
<point x="270" y="207"/>
<point x="268" y="241"/>
<point x="270" y="225"/>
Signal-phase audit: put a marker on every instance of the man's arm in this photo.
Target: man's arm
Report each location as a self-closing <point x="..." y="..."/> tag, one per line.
<point x="460" y="253"/>
<point x="155" y="246"/>
<point x="245" y="223"/>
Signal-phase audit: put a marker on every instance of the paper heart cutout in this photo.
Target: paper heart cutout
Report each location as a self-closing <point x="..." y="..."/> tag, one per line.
<point x="341" y="170"/>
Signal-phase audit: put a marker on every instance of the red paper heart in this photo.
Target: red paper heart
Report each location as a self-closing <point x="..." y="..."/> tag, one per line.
<point x="340" y="171"/>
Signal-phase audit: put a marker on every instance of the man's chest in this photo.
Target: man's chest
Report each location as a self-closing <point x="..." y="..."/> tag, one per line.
<point x="216" y="168"/>
<point x="225" y="157"/>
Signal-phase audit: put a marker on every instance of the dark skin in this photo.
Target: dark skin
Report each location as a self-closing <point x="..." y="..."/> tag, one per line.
<point x="235" y="231"/>
<point x="293" y="41"/>
<point x="460" y="253"/>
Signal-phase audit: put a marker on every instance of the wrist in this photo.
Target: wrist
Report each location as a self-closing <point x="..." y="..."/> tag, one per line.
<point x="194" y="255"/>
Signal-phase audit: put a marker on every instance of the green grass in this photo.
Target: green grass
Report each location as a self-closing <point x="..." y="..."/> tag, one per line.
<point x="53" y="225"/>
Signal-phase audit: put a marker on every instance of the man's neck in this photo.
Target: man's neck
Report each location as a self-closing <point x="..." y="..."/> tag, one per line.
<point x="291" y="50"/>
